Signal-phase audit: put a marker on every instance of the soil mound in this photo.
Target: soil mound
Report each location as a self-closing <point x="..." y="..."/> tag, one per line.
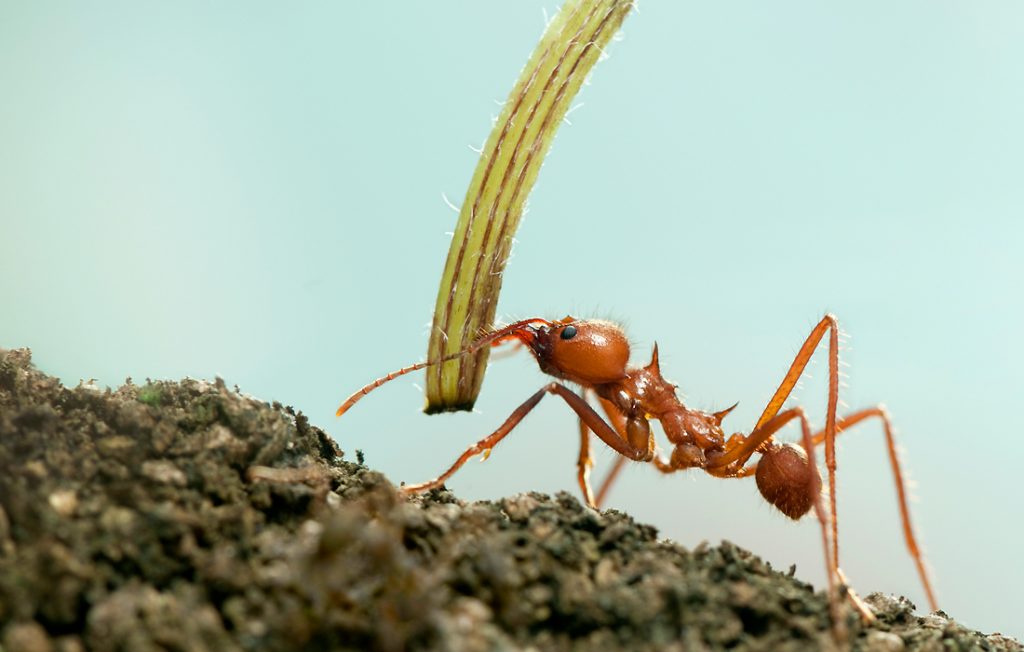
<point x="189" y="516"/>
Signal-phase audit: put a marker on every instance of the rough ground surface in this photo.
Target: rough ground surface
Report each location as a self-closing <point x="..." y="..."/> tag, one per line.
<point x="188" y="516"/>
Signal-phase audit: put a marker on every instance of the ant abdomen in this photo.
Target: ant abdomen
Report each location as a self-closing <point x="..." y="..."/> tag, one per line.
<point x="787" y="479"/>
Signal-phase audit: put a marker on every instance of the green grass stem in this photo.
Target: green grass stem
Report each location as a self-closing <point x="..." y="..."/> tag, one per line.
<point x="468" y="297"/>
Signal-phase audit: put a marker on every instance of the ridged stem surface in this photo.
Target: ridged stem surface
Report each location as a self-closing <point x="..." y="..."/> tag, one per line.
<point x="468" y="296"/>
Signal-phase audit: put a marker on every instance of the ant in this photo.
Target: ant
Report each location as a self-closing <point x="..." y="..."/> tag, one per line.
<point x="594" y="354"/>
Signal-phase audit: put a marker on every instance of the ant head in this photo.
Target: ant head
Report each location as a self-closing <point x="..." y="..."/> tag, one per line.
<point x="588" y="352"/>
<point x="787" y="479"/>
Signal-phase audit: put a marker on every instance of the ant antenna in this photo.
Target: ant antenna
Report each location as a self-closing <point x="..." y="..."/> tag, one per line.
<point x="517" y="330"/>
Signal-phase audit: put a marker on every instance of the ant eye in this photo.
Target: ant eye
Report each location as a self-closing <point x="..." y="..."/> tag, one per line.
<point x="568" y="332"/>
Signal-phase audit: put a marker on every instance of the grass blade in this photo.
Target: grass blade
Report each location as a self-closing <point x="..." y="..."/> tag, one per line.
<point x="468" y="297"/>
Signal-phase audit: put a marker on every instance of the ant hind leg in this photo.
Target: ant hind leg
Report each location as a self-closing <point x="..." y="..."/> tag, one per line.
<point x="882" y="414"/>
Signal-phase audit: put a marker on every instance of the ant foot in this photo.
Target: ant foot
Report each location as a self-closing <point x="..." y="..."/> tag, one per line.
<point x="858" y="603"/>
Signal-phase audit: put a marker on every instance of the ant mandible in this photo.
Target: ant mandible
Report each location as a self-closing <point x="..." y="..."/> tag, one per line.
<point x="595" y="355"/>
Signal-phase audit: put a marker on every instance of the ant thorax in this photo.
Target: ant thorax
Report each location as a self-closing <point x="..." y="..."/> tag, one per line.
<point x="645" y="394"/>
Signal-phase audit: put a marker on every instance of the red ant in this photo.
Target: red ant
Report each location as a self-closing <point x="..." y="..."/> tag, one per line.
<point x="595" y="355"/>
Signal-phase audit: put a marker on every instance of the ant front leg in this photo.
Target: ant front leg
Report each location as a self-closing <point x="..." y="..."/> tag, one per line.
<point x="586" y="413"/>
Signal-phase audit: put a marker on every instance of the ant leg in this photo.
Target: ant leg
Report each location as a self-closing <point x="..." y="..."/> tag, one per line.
<point x="747" y="446"/>
<point x="803" y="356"/>
<point x="508" y="351"/>
<point x="737" y="454"/>
<point x="746" y="471"/>
<point x="584" y="463"/>
<point x="880" y="412"/>
<point x="618" y="421"/>
<point x="591" y="418"/>
<point x="609" y="480"/>
<point x="831" y="564"/>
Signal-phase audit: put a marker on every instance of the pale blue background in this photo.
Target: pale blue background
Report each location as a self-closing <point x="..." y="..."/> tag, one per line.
<point x="255" y="191"/>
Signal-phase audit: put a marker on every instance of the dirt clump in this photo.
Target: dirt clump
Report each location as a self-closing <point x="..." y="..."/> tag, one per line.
<point x="189" y="516"/>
